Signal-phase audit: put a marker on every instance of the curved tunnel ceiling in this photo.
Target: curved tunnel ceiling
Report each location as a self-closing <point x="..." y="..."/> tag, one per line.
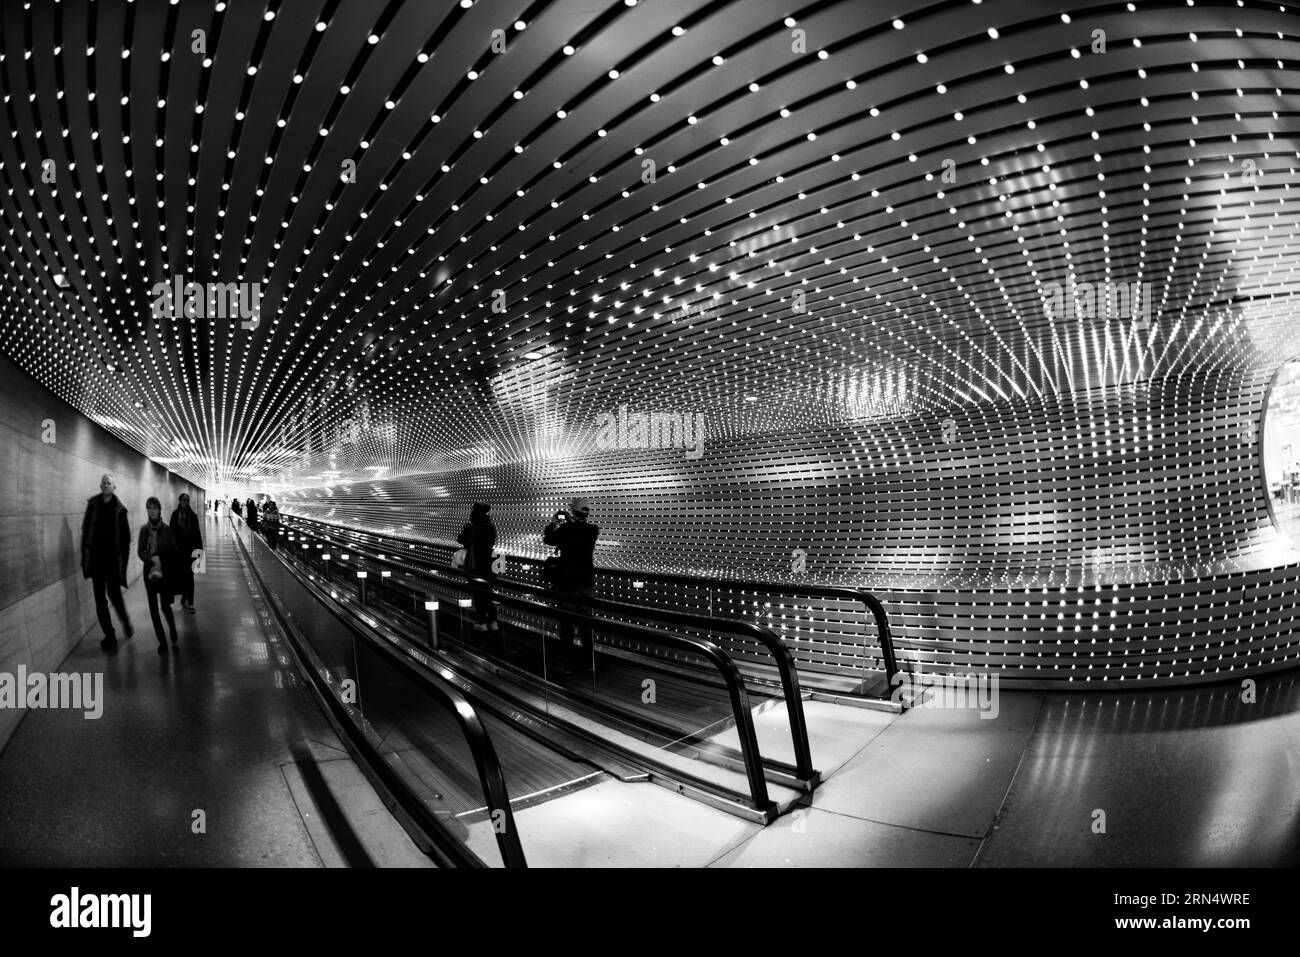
<point x="477" y="226"/>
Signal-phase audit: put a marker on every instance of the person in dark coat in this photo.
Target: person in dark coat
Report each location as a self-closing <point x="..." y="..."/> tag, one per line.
<point x="575" y="537"/>
<point x="189" y="537"/>
<point x="105" y="549"/>
<point x="157" y="550"/>
<point x="479" y="536"/>
<point x="270" y="522"/>
<point x="236" y="507"/>
<point x="250" y="514"/>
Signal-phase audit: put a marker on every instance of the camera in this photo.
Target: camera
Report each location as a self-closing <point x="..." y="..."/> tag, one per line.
<point x="560" y="517"/>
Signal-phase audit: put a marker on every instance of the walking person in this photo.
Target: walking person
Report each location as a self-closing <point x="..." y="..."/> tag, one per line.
<point x="575" y="577"/>
<point x="157" y="550"/>
<point x="189" y="537"/>
<point x="479" y="536"/>
<point x="105" y="549"/>
<point x="236" y="508"/>
<point x="250" y="514"/>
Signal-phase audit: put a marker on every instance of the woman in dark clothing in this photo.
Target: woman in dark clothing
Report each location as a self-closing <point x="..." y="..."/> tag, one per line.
<point x="479" y="536"/>
<point x="188" y="535"/>
<point x="236" y="507"/>
<point x="250" y="514"/>
<point x="157" y="549"/>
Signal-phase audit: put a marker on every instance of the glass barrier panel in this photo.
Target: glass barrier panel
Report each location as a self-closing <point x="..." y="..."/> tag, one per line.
<point x="421" y="739"/>
<point x="412" y="729"/>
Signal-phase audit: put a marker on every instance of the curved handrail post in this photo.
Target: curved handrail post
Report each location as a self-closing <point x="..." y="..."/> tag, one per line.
<point x="794" y="709"/>
<point x="779" y="650"/>
<point x="493" y="780"/>
<point x="883" y="633"/>
<point x="744" y="726"/>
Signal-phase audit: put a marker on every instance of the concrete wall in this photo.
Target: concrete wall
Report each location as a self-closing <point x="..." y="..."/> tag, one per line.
<point x="46" y="607"/>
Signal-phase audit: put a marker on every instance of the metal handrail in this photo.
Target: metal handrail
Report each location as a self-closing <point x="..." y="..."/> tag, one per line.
<point x="726" y="666"/>
<point x="731" y="676"/>
<point x="702" y="646"/>
<point x="780" y="652"/>
<point x="872" y="603"/>
<point x="884" y="634"/>
<point x="778" y="648"/>
<point x="490" y="775"/>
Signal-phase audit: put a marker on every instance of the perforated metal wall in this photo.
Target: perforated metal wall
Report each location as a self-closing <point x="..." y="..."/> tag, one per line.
<point x="1114" y="535"/>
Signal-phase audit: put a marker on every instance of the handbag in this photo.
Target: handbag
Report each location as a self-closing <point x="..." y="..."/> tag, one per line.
<point x="460" y="558"/>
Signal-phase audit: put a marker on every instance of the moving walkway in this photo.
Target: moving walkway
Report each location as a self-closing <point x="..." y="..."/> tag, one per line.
<point x="675" y="698"/>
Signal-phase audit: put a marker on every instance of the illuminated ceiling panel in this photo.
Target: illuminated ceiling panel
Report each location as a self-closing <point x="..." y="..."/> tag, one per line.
<point x="474" y="227"/>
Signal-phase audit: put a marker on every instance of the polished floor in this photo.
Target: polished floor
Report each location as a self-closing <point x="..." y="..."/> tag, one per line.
<point x="1194" y="778"/>
<point x="216" y="755"/>
<point x="1208" y="776"/>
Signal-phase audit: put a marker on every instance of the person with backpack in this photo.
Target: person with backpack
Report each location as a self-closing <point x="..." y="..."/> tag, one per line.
<point x="574" y="577"/>
<point x="479" y="537"/>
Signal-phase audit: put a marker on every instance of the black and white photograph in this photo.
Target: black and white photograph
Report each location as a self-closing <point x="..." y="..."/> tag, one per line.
<point x="622" y="435"/>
